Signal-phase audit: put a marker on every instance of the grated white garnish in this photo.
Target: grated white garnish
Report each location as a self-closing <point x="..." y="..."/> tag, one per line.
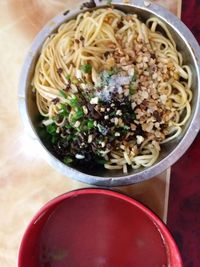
<point x="119" y="80"/>
<point x="115" y="84"/>
<point x="119" y="112"/>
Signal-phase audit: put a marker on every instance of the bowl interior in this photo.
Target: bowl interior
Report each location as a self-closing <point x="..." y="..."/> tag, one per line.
<point x="94" y="227"/>
<point x="170" y="152"/>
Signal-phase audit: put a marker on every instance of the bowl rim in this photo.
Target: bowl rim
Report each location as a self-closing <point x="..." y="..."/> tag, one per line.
<point x="145" y="173"/>
<point x="172" y="251"/>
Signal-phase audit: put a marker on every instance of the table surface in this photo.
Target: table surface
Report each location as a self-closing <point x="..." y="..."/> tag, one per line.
<point x="26" y="180"/>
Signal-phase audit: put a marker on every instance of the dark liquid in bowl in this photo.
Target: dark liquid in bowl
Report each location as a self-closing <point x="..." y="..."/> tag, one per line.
<point x="94" y="231"/>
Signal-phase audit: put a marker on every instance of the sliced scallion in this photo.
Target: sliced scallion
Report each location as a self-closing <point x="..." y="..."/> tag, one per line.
<point x="67" y="160"/>
<point x="62" y="93"/>
<point x="87" y="68"/>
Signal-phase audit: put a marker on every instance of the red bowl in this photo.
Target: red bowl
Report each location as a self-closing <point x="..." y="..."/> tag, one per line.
<point x="94" y="228"/>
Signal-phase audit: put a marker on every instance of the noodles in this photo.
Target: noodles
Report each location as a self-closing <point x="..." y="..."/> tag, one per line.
<point x="111" y="90"/>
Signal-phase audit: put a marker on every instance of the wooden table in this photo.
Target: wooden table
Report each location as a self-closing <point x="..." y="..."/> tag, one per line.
<point x="26" y="180"/>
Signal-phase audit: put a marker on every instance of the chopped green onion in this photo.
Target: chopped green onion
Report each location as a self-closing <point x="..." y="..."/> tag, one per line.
<point x="74" y="102"/>
<point x="112" y="71"/>
<point x="90" y="124"/>
<point x="87" y="68"/>
<point x="68" y="126"/>
<point x="125" y="127"/>
<point x="64" y="111"/>
<point x="79" y="114"/>
<point x="134" y="77"/>
<point x="101" y="161"/>
<point x="103" y="130"/>
<point x="54" y="139"/>
<point x="133" y="116"/>
<point x="69" y="138"/>
<point x="51" y="129"/>
<point x="68" y="77"/>
<point x="54" y="118"/>
<point x="67" y="160"/>
<point x="113" y="113"/>
<point x="75" y="81"/>
<point x="132" y="88"/>
<point x="62" y="93"/>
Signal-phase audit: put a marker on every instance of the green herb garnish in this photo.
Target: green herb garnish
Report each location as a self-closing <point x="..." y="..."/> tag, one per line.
<point x="67" y="160"/>
<point x="74" y="102"/>
<point x="103" y="130"/>
<point x="87" y="68"/>
<point x="79" y="114"/>
<point x="134" y="77"/>
<point x="90" y="124"/>
<point x="68" y="126"/>
<point x="125" y="127"/>
<point x="54" y="139"/>
<point x="113" y="113"/>
<point x="101" y="161"/>
<point x="64" y="112"/>
<point x="62" y="93"/>
<point x="112" y="71"/>
<point x="69" y="137"/>
<point x="68" y="77"/>
<point x="51" y="129"/>
<point x="132" y="88"/>
<point x="75" y="81"/>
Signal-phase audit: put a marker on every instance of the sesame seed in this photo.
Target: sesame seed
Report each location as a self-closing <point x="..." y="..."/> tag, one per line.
<point x="94" y="100"/>
<point x="90" y="138"/>
<point x="85" y="110"/>
<point x="133" y="105"/>
<point x="116" y="120"/>
<point x="103" y="144"/>
<point x="77" y="124"/>
<point x="79" y="156"/>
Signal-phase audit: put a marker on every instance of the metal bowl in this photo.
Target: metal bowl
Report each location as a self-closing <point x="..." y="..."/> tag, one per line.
<point x="186" y="44"/>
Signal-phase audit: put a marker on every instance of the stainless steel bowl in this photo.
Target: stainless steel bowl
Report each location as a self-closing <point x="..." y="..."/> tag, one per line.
<point x="186" y="44"/>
